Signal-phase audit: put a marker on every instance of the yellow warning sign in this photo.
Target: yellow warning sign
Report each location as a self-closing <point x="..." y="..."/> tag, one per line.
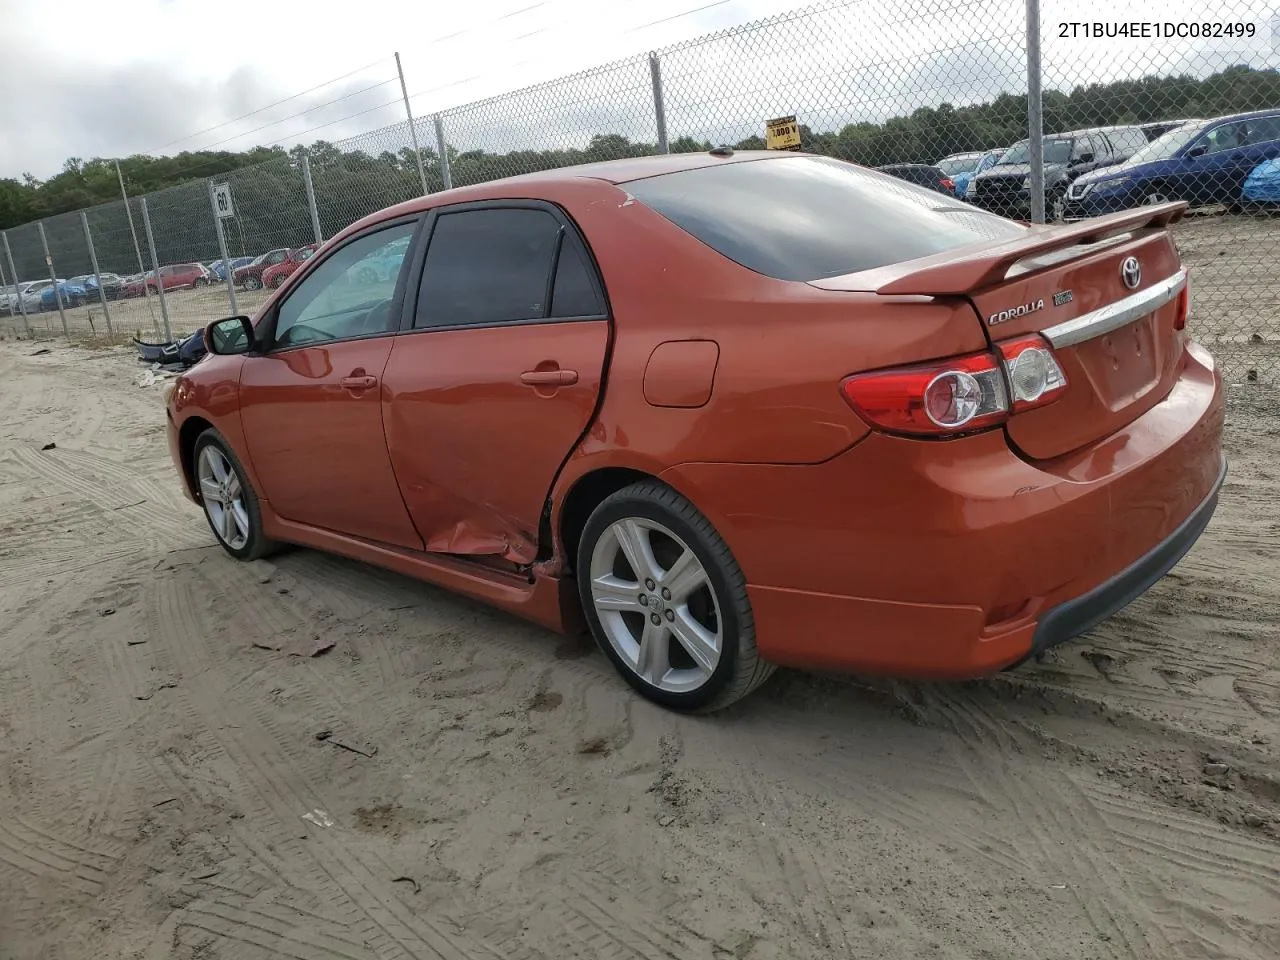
<point x="782" y="134"/>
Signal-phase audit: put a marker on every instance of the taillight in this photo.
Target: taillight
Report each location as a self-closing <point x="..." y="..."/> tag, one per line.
<point x="949" y="184"/>
<point x="1183" y="311"/>
<point x="953" y="396"/>
<point x="1034" y="375"/>
<point x="960" y="395"/>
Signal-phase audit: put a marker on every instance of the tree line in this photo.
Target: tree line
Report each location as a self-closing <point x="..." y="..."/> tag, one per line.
<point x="271" y="207"/>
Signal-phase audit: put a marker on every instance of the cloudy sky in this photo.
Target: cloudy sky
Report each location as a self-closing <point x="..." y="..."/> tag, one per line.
<point x="88" y="78"/>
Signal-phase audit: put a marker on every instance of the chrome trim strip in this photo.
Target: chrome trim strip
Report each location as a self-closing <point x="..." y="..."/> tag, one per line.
<point x="1113" y="316"/>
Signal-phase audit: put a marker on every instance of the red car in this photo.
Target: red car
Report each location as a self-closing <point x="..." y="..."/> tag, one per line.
<point x="275" y="274"/>
<point x="250" y="275"/>
<point x="730" y="410"/>
<point x="180" y="275"/>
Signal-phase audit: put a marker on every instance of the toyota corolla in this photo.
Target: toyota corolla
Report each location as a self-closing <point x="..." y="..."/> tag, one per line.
<point x="726" y="411"/>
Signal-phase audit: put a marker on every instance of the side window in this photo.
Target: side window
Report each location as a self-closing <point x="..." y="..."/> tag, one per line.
<point x="166" y="271"/>
<point x="487" y="266"/>
<point x="1264" y="130"/>
<point x="575" y="293"/>
<point x="350" y="294"/>
<point x="1225" y="137"/>
<point x="277" y="257"/>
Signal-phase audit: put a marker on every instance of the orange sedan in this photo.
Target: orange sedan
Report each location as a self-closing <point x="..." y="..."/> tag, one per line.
<point x="727" y="411"/>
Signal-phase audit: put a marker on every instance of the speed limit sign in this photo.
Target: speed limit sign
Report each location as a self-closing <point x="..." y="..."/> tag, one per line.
<point x="222" y="201"/>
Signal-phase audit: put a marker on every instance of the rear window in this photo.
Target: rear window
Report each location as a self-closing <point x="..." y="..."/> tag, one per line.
<point x="808" y="218"/>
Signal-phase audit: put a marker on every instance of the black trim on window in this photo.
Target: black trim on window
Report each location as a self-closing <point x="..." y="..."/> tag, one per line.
<point x="567" y="226"/>
<point x="266" y="341"/>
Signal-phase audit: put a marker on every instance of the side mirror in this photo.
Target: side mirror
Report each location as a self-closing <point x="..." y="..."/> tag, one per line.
<point x="1197" y="151"/>
<point x="1085" y="158"/>
<point x="229" y="336"/>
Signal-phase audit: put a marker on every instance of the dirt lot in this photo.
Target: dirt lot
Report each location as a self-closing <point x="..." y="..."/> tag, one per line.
<point x="181" y="778"/>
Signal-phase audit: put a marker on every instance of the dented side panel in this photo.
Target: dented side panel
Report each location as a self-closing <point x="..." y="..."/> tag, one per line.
<point x="475" y="447"/>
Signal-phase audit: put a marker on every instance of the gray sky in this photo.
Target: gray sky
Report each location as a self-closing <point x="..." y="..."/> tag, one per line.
<point x="86" y="78"/>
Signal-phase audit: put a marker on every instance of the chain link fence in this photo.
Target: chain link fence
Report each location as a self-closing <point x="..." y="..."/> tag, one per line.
<point x="937" y="92"/>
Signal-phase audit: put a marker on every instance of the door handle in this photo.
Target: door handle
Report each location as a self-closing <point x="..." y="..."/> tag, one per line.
<point x="358" y="383"/>
<point x="549" y="378"/>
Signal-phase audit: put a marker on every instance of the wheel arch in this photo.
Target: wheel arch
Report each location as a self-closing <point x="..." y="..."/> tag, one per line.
<point x="583" y="496"/>
<point x="188" y="433"/>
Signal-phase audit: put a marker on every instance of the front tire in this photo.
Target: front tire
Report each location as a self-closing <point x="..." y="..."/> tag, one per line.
<point x="253" y="283"/>
<point x="667" y="602"/>
<point x="230" y="504"/>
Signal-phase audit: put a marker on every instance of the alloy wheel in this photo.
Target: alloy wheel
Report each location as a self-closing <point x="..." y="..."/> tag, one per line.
<point x="656" y="605"/>
<point x="223" y="497"/>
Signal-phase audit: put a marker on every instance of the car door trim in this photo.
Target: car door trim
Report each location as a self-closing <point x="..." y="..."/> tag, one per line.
<point x="1115" y="315"/>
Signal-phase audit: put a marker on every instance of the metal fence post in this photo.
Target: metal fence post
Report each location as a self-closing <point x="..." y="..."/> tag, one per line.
<point x="445" y="173"/>
<point x="413" y="128"/>
<point x="93" y="260"/>
<point x="57" y="293"/>
<point x="1035" y="114"/>
<point x="13" y="275"/>
<point x="311" y="197"/>
<point x="222" y="249"/>
<point x="128" y="212"/>
<point x="659" y="105"/>
<point x="155" y="262"/>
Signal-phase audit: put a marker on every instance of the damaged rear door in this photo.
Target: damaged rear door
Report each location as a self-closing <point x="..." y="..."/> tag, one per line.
<point x="497" y="379"/>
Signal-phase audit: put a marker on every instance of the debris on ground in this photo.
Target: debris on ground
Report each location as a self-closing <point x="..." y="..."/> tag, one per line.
<point x="50" y="446"/>
<point x="167" y="685"/>
<point x="367" y="750"/>
<point x="416" y="887"/>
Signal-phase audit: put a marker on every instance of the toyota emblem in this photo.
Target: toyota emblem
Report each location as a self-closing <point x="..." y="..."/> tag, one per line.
<point x="1131" y="272"/>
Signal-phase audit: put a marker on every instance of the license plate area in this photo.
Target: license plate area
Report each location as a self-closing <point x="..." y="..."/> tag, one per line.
<point x="1123" y="365"/>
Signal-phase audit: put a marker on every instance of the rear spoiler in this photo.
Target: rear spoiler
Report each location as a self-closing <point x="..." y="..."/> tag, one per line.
<point x="948" y="273"/>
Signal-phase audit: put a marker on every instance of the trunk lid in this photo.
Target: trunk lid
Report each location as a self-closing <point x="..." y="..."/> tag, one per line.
<point x="1114" y="339"/>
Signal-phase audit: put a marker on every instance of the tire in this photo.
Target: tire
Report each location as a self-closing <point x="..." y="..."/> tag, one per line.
<point x="670" y="525"/>
<point x="1155" y="195"/>
<point x="253" y="283"/>
<point x="249" y="542"/>
<point x="199" y="282"/>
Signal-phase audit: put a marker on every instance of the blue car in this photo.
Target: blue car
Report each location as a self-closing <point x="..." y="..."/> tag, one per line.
<point x="1203" y="162"/>
<point x="961" y="167"/>
<point x="219" y="267"/>
<point x="72" y="292"/>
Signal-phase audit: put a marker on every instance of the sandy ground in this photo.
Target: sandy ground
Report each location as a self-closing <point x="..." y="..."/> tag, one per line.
<point x="488" y="790"/>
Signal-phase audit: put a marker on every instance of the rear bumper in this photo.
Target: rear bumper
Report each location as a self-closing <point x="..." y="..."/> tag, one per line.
<point x="957" y="559"/>
<point x="1081" y="614"/>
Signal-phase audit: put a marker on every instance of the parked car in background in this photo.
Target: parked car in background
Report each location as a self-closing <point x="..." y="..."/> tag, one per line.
<point x="1262" y="186"/>
<point x="1203" y="162"/>
<point x="137" y="285"/>
<point x="922" y="175"/>
<point x="1006" y="187"/>
<point x="111" y="284"/>
<point x="275" y="274"/>
<point x="629" y="393"/>
<point x="250" y="275"/>
<point x="71" y="292"/>
<point x="179" y="275"/>
<point x="9" y="297"/>
<point x="1156" y="130"/>
<point x="961" y="167"/>
<point x="218" y="271"/>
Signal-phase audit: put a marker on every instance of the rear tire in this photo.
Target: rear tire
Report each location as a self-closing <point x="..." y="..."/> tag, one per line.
<point x="253" y="283"/>
<point x="690" y="644"/>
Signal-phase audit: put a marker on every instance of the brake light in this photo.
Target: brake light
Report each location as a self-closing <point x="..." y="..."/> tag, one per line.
<point x="1034" y="375"/>
<point x="960" y="395"/>
<point x="940" y="399"/>
<point x="1183" y="312"/>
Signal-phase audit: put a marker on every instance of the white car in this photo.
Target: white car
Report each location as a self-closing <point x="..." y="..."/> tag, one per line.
<point x="26" y="290"/>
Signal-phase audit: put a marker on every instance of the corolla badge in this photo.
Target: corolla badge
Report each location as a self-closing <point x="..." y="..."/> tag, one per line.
<point x="1131" y="272"/>
<point x="1014" y="312"/>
